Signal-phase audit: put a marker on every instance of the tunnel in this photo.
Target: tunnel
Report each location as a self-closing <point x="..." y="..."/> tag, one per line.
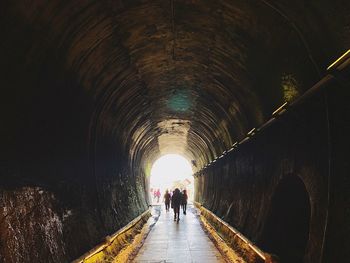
<point x="94" y="92"/>
<point x="286" y="230"/>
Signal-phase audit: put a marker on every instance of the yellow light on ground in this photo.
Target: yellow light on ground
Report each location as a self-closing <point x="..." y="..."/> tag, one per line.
<point x="169" y="171"/>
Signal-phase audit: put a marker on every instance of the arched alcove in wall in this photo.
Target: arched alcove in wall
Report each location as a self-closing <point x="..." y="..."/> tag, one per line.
<point x="286" y="230"/>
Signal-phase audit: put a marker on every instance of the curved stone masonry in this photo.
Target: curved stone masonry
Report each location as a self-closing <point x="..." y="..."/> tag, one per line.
<point x="94" y="91"/>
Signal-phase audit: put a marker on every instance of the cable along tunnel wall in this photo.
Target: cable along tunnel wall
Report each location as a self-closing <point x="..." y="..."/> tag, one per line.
<point x="244" y="187"/>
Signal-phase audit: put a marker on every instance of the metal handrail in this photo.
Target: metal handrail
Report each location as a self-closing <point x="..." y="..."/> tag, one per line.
<point x="337" y="66"/>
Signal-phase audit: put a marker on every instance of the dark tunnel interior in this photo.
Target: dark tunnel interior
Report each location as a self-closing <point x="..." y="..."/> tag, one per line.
<point x="93" y="92"/>
<point x="289" y="216"/>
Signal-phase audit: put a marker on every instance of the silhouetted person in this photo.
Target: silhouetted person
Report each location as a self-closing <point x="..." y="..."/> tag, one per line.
<point x="176" y="202"/>
<point x="171" y="198"/>
<point x="167" y="198"/>
<point x="184" y="198"/>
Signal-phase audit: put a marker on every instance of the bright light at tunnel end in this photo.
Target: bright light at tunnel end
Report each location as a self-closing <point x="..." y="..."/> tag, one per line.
<point x="171" y="171"/>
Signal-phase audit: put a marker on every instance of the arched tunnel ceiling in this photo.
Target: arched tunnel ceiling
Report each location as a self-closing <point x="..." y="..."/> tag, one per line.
<point x="190" y="77"/>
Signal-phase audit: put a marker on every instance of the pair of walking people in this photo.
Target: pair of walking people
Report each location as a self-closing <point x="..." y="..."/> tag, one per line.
<point x="177" y="199"/>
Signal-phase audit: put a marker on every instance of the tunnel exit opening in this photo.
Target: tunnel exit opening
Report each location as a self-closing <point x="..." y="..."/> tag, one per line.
<point x="286" y="231"/>
<point x="168" y="172"/>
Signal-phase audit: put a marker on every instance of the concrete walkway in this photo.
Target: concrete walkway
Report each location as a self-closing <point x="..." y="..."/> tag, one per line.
<point x="182" y="242"/>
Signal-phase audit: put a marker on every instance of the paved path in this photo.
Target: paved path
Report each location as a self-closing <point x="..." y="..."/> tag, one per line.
<point x="182" y="242"/>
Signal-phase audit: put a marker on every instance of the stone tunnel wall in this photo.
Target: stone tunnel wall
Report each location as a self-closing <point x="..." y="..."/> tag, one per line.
<point x="308" y="142"/>
<point x="67" y="175"/>
<point x="85" y="90"/>
<point x="59" y="195"/>
<point x="62" y="190"/>
<point x="66" y="180"/>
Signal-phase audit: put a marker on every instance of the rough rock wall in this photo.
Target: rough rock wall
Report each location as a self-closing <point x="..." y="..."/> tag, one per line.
<point x="308" y="143"/>
<point x="30" y="227"/>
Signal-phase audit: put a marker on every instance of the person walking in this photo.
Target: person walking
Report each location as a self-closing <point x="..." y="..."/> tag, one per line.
<point x="176" y="202"/>
<point x="154" y="195"/>
<point x="158" y="195"/>
<point x="184" y="198"/>
<point x="167" y="199"/>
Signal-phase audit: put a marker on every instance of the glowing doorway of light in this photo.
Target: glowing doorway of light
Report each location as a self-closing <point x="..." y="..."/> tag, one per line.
<point x="169" y="172"/>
